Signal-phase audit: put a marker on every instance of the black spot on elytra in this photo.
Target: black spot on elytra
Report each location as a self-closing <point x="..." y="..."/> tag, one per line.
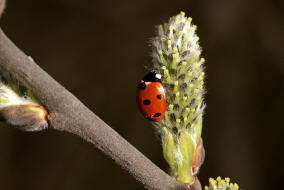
<point x="142" y="85"/>
<point x="159" y="96"/>
<point x="157" y="114"/>
<point x="146" y="102"/>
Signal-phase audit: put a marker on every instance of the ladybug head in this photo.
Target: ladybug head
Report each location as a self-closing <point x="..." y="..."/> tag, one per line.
<point x="153" y="76"/>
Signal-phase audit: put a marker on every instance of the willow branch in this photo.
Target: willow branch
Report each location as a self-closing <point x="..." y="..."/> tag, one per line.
<point x="74" y="117"/>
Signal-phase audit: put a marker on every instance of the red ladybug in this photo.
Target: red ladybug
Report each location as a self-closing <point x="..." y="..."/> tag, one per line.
<point x="151" y="97"/>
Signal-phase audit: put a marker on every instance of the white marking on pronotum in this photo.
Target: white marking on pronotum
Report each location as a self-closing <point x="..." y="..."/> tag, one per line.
<point x="159" y="76"/>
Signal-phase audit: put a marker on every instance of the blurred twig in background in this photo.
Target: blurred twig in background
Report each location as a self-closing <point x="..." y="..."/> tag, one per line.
<point x="2" y="6"/>
<point x="74" y="117"/>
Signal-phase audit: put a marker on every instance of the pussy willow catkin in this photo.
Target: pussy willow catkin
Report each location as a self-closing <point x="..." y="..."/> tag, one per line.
<point x="176" y="55"/>
<point x="18" y="105"/>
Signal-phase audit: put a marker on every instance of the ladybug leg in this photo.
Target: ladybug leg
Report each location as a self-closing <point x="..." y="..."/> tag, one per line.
<point x="142" y="85"/>
<point x="198" y="157"/>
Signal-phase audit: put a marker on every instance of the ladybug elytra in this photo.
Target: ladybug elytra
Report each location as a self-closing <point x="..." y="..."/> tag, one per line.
<point x="151" y="97"/>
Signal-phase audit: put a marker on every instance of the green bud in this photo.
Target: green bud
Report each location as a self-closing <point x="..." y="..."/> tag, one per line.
<point x="18" y="105"/>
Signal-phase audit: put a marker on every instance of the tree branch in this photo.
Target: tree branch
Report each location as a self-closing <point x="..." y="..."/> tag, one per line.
<point x="74" y="117"/>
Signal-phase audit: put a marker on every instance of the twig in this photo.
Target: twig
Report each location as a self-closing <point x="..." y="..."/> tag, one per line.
<point x="72" y="116"/>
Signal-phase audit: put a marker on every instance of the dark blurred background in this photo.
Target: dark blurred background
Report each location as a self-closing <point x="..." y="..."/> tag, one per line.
<point x="98" y="50"/>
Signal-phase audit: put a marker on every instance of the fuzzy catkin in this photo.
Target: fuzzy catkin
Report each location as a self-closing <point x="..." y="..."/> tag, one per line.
<point x="13" y="93"/>
<point x="176" y="55"/>
<point x="221" y="184"/>
<point x="19" y="107"/>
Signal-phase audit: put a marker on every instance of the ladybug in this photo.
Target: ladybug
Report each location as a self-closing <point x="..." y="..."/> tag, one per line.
<point x="151" y="97"/>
